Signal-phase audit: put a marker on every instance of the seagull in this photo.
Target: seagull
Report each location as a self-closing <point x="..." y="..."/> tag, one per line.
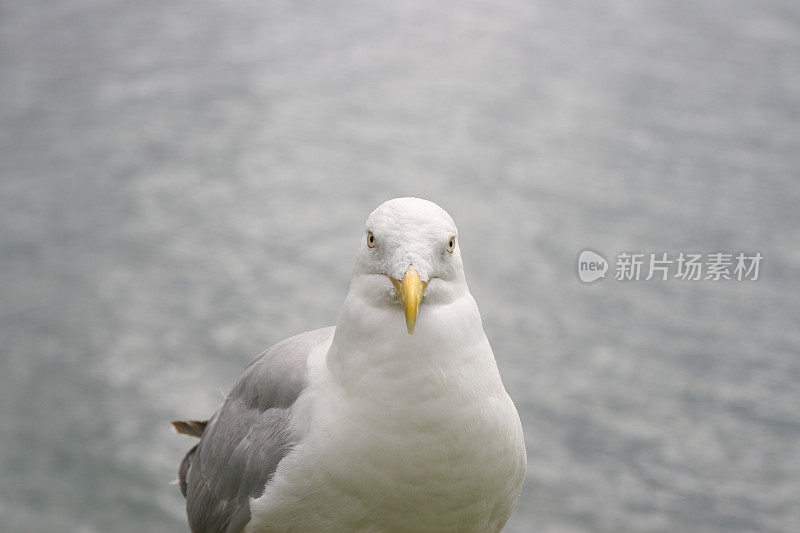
<point x="396" y="419"/>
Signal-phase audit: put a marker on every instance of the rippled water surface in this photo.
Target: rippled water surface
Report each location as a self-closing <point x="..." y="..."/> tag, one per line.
<point x="185" y="183"/>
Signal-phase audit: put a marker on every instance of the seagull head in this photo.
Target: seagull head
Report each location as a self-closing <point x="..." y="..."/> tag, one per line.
<point x="410" y="258"/>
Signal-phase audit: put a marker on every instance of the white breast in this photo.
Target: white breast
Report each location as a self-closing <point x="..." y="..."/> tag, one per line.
<point x="400" y="433"/>
<point x="449" y="457"/>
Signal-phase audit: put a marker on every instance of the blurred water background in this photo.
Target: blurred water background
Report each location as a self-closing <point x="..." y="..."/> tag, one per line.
<point x="184" y="183"/>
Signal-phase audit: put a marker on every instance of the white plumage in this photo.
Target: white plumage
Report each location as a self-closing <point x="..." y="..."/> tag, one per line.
<point x="392" y="431"/>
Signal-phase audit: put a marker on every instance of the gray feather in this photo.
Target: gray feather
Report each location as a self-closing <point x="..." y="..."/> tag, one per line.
<point x="247" y="437"/>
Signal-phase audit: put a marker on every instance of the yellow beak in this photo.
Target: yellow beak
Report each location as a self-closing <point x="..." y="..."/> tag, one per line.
<point x="409" y="292"/>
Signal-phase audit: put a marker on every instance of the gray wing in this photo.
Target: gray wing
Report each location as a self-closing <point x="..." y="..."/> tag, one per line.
<point x="247" y="437"/>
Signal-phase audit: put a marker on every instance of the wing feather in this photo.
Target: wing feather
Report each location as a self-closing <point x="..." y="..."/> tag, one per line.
<point x="242" y="444"/>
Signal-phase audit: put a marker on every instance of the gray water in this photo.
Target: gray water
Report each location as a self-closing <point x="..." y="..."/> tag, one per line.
<point x="185" y="183"/>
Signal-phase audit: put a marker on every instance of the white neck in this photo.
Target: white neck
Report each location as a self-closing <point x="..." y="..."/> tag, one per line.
<point x="372" y="349"/>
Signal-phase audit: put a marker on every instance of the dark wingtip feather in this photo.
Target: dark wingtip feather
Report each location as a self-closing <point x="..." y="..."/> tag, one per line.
<point x="184" y="470"/>
<point x="193" y="428"/>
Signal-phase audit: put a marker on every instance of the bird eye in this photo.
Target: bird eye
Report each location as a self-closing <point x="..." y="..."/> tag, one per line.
<point x="451" y="244"/>
<point x="370" y="239"/>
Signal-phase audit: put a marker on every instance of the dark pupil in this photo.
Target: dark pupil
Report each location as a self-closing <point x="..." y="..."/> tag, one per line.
<point x="451" y="243"/>
<point x="371" y="238"/>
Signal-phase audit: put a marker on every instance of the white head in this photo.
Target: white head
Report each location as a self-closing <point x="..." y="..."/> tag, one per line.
<point x="410" y="256"/>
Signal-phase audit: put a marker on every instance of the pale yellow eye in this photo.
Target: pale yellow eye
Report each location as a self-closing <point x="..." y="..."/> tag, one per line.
<point x="370" y="239"/>
<point x="451" y="244"/>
